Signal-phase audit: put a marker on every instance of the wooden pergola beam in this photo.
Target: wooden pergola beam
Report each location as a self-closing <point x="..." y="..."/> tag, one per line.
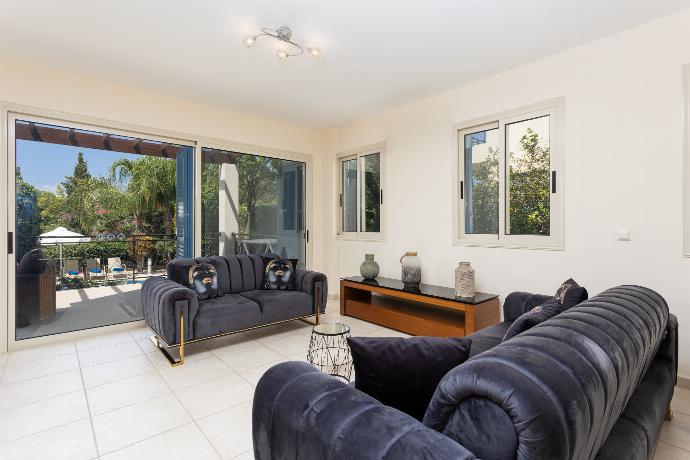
<point x="39" y="132"/>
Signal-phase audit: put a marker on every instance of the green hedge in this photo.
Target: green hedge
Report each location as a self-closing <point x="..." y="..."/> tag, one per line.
<point x="83" y="251"/>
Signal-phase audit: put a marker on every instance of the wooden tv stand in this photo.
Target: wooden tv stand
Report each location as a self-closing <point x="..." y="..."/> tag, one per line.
<point x="429" y="310"/>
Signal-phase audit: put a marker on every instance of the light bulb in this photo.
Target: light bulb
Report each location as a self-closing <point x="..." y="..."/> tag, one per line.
<point x="316" y="52"/>
<point x="249" y="40"/>
<point x="281" y="54"/>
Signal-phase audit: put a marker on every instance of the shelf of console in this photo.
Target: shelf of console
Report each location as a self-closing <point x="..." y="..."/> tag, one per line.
<point x="416" y="313"/>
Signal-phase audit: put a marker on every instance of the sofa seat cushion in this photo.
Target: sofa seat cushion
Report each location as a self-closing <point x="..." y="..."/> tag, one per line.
<point x="223" y="314"/>
<point x="489" y="337"/>
<point x="280" y="305"/>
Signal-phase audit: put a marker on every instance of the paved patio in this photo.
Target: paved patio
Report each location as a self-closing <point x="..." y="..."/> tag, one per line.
<point x="78" y="309"/>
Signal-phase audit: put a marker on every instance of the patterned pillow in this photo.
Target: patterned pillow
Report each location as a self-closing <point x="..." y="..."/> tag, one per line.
<point x="535" y="316"/>
<point x="570" y="294"/>
<point x="279" y="274"/>
<point x="203" y="278"/>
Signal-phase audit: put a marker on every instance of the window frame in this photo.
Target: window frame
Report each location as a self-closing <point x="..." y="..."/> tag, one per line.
<point x="554" y="241"/>
<point x="358" y="155"/>
<point x="686" y="160"/>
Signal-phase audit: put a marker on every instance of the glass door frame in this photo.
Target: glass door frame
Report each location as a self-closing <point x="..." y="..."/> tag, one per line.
<point x="268" y="153"/>
<point x="10" y="114"/>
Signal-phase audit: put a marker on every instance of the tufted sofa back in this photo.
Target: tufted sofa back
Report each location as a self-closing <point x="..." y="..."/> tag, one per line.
<point x="235" y="273"/>
<point x="556" y="390"/>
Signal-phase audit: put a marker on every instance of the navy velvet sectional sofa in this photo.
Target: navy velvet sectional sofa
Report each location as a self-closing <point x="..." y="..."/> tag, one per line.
<point x="593" y="382"/>
<point x="176" y="315"/>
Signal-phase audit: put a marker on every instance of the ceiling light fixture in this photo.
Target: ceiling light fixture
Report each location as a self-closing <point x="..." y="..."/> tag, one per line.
<point x="287" y="47"/>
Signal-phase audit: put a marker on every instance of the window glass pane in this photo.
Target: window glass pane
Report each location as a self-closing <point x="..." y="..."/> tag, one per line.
<point x="527" y="177"/>
<point x="481" y="182"/>
<point x="349" y="195"/>
<point x="251" y="204"/>
<point x="371" y="192"/>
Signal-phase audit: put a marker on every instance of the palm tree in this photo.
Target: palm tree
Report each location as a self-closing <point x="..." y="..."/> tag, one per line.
<point x="150" y="185"/>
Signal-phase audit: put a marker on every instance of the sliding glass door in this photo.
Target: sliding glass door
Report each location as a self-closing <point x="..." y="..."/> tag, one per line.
<point x="95" y="213"/>
<point x="252" y="204"/>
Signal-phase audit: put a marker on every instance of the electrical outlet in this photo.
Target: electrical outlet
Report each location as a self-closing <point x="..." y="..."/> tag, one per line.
<point x="623" y="234"/>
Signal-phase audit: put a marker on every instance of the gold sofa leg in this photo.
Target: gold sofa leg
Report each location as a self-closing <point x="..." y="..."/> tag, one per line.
<point x="318" y="304"/>
<point x="164" y="351"/>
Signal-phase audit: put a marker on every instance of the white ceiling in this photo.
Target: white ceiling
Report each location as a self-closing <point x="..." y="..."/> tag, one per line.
<point x="376" y="53"/>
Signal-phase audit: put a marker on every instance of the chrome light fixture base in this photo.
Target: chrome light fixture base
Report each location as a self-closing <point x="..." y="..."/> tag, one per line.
<point x="287" y="48"/>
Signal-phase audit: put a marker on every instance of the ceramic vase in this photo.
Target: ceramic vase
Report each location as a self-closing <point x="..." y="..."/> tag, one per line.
<point x="369" y="268"/>
<point x="411" y="269"/>
<point x="464" y="280"/>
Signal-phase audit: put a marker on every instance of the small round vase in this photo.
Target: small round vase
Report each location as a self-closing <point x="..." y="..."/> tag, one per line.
<point x="464" y="280"/>
<point x="369" y="268"/>
<point x="411" y="269"/>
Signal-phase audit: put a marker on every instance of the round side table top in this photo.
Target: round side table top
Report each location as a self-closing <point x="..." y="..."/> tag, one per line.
<point x="331" y="329"/>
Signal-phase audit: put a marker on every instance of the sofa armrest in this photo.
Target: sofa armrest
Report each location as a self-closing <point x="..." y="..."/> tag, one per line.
<point x="312" y="283"/>
<point x="301" y="413"/>
<point x="518" y="303"/>
<point x="162" y="302"/>
<point x="669" y="347"/>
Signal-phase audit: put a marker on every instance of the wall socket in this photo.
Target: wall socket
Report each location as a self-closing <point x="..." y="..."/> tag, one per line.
<point x="623" y="234"/>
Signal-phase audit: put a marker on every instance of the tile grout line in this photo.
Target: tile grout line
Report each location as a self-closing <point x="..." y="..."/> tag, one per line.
<point x="67" y="370"/>
<point x="4" y="365"/>
<point x="88" y="405"/>
<point x="240" y="454"/>
<point x="44" y="430"/>
<point x="220" y="456"/>
<point x="40" y="400"/>
<point x="146" y="439"/>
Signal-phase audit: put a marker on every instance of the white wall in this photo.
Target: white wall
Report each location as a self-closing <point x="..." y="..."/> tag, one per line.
<point x="623" y="169"/>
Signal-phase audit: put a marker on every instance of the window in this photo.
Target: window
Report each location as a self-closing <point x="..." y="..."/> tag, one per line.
<point x="361" y="193"/>
<point x="507" y="179"/>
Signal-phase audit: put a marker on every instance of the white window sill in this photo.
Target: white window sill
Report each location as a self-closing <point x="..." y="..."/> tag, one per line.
<point x="497" y="244"/>
<point x="369" y="239"/>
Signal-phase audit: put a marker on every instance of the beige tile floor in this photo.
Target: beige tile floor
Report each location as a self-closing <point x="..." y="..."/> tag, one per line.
<point x="114" y="397"/>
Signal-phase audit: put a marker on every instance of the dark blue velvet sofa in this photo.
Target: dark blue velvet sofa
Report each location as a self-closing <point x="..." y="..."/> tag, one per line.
<point x="170" y="308"/>
<point x="593" y="382"/>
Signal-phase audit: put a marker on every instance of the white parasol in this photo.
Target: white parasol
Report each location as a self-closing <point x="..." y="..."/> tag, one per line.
<point x="61" y="236"/>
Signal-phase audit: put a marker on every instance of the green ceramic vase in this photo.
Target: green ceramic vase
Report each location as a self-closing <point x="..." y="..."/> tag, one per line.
<point x="369" y="268"/>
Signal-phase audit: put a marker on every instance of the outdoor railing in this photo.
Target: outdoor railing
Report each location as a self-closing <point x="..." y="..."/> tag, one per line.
<point x="83" y="261"/>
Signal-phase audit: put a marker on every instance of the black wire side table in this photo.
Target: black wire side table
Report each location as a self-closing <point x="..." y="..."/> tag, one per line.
<point x="329" y="351"/>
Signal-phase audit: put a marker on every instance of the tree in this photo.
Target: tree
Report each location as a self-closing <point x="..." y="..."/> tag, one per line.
<point x="484" y="190"/>
<point x="79" y="199"/>
<point x="149" y="187"/>
<point x="52" y="209"/>
<point x="372" y="191"/>
<point x="528" y="189"/>
<point x="27" y="212"/>
<point x="529" y="182"/>
<point x="210" y="174"/>
<point x="258" y="178"/>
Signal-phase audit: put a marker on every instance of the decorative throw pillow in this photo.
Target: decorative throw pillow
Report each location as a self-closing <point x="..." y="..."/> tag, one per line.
<point x="567" y="296"/>
<point x="279" y="274"/>
<point x="404" y="373"/>
<point x="570" y="294"/>
<point x="535" y="316"/>
<point x="203" y="278"/>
